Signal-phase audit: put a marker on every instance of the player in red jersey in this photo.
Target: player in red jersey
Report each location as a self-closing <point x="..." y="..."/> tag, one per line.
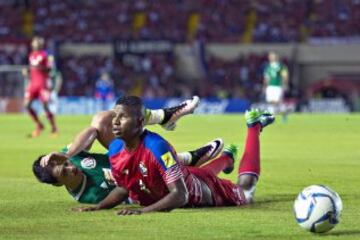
<point x="39" y="85"/>
<point x="145" y="167"/>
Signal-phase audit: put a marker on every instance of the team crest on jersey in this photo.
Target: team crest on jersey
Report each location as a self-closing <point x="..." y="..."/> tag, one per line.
<point x="168" y="159"/>
<point x="143" y="187"/>
<point x="88" y="163"/>
<point x="143" y="170"/>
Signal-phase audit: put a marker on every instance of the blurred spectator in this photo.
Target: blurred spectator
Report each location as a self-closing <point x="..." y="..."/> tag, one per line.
<point x="218" y="20"/>
<point x="104" y="90"/>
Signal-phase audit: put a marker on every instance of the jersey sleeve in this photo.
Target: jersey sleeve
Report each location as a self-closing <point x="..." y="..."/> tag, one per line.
<point x="167" y="163"/>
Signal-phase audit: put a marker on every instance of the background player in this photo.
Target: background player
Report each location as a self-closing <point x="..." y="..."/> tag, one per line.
<point x="145" y="167"/>
<point x="104" y="90"/>
<point x="276" y="82"/>
<point x="56" y="84"/>
<point x="38" y="86"/>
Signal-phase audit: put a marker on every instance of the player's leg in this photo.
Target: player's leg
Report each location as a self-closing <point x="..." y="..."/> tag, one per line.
<point x="224" y="163"/>
<point x="45" y="98"/>
<point x="249" y="169"/>
<point x="201" y="155"/>
<point x="29" y="98"/>
<point x="167" y="117"/>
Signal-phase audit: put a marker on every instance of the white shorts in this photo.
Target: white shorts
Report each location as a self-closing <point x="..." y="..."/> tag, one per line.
<point x="274" y="94"/>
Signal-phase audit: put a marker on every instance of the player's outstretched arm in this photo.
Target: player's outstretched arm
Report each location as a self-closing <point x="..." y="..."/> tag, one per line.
<point x="100" y="129"/>
<point x="177" y="197"/>
<point x="82" y="141"/>
<point x="115" y="197"/>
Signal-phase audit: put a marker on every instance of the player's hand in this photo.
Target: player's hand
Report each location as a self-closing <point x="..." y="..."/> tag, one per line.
<point x="126" y="211"/>
<point x="54" y="156"/>
<point x="85" y="209"/>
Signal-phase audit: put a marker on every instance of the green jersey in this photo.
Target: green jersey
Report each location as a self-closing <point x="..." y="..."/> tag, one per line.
<point x="94" y="186"/>
<point x="274" y="73"/>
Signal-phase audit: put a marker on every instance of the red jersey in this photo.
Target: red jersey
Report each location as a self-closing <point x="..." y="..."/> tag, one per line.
<point x="146" y="171"/>
<point x="39" y="68"/>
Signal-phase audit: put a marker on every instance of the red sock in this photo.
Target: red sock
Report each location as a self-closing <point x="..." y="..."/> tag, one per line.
<point x="35" y="117"/>
<point x="250" y="162"/>
<point x="51" y="119"/>
<point x="218" y="164"/>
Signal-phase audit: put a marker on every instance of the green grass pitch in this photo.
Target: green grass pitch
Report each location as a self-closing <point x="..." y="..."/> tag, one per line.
<point x="309" y="149"/>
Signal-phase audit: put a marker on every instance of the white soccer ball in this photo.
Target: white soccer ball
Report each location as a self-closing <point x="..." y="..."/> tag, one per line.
<point x="318" y="208"/>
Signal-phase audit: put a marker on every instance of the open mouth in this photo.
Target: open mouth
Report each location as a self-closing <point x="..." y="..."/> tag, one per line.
<point x="116" y="131"/>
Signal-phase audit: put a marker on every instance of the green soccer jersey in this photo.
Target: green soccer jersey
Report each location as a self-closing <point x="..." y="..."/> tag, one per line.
<point x="274" y="73"/>
<point x="94" y="186"/>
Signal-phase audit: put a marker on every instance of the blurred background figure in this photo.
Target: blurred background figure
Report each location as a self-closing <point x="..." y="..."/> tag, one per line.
<point x="276" y="82"/>
<point x="39" y="86"/>
<point x="104" y="90"/>
<point x="56" y="84"/>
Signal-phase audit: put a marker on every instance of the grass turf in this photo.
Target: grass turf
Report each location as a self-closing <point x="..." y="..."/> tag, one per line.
<point x="309" y="149"/>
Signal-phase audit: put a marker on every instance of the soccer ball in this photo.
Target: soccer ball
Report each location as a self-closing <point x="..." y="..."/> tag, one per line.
<point x="317" y="208"/>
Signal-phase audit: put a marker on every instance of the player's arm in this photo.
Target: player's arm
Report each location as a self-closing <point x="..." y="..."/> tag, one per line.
<point x="100" y="129"/>
<point x="82" y="141"/>
<point x="285" y="76"/>
<point x="177" y="197"/>
<point x="266" y="77"/>
<point x="115" y="197"/>
<point x="58" y="82"/>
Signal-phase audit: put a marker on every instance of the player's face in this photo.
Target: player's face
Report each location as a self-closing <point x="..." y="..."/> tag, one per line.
<point x="37" y="43"/>
<point x="64" y="172"/>
<point x="127" y="122"/>
<point x="272" y="57"/>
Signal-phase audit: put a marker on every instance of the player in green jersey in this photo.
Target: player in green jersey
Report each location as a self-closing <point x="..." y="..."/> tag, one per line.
<point x="276" y="77"/>
<point x="87" y="176"/>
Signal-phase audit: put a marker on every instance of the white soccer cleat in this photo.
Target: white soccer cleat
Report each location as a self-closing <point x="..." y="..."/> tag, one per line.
<point x="173" y="114"/>
<point x="207" y="152"/>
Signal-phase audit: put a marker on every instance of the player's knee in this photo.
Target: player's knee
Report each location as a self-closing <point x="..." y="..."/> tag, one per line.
<point x="247" y="181"/>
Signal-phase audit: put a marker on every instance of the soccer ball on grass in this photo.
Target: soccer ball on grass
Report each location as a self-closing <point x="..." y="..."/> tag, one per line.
<point x="317" y="208"/>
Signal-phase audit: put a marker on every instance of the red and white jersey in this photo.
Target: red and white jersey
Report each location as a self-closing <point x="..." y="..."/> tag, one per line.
<point x="39" y="68"/>
<point x="146" y="171"/>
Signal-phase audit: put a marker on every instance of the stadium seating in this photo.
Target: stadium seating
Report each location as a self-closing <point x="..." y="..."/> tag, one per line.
<point x="220" y="21"/>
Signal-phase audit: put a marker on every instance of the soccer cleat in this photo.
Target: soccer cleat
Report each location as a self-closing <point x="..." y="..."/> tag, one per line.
<point x="206" y="152"/>
<point x="173" y="114"/>
<point x="231" y="151"/>
<point x="255" y="116"/>
<point x="54" y="133"/>
<point x="36" y="133"/>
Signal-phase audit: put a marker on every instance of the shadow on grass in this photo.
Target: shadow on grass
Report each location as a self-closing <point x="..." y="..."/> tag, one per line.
<point x="343" y="233"/>
<point x="262" y="203"/>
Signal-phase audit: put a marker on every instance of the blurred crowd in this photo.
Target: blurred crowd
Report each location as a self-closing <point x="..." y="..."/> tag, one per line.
<point x="149" y="75"/>
<point x="214" y="20"/>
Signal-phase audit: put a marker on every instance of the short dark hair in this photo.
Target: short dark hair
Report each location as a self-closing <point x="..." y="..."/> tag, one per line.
<point x="134" y="102"/>
<point x="130" y="101"/>
<point x="43" y="174"/>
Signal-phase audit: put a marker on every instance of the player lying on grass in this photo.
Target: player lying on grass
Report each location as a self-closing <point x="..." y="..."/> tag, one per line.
<point x="87" y="176"/>
<point x="145" y="167"/>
